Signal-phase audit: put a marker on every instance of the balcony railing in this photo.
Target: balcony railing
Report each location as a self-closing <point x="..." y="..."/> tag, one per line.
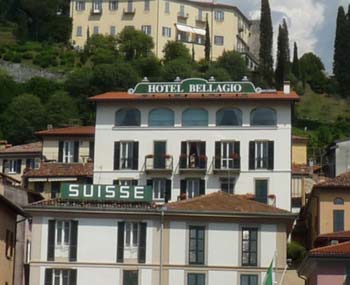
<point x="96" y="11"/>
<point x="182" y="15"/>
<point x="129" y="11"/>
<point x="223" y="165"/>
<point x="158" y="164"/>
<point x="201" y="19"/>
<point x="193" y="163"/>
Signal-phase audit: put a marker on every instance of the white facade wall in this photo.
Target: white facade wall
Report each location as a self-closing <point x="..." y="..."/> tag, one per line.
<point x="342" y="159"/>
<point x="279" y="179"/>
<point x="97" y="239"/>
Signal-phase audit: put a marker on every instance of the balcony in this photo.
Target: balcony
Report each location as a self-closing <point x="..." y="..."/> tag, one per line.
<point x="182" y="16"/>
<point x="158" y="164"/>
<point x="193" y="164"/>
<point x="201" y="20"/>
<point x="96" y="11"/>
<point x="129" y="11"/>
<point x="222" y="166"/>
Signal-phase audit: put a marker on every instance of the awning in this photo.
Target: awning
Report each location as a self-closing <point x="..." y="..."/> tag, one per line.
<point x="189" y="29"/>
<point x="57" y="179"/>
<point x="37" y="179"/>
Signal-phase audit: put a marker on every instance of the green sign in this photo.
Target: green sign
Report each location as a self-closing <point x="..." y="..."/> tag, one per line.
<point x="193" y="86"/>
<point x="106" y="192"/>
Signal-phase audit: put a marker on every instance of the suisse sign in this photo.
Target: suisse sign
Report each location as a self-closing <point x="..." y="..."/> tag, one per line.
<point x="194" y="85"/>
<point x="106" y="192"/>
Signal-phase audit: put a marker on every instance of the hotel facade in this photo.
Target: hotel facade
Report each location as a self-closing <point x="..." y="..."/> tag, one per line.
<point x="166" y="20"/>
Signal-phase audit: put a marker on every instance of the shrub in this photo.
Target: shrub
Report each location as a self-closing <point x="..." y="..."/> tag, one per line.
<point x="16" y="58"/>
<point x="8" y="56"/>
<point x="28" y="55"/>
<point x="296" y="252"/>
<point x="45" y="60"/>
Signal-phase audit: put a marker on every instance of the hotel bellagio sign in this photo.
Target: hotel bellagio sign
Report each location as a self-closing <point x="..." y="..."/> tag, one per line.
<point x="106" y="192"/>
<point x="193" y="86"/>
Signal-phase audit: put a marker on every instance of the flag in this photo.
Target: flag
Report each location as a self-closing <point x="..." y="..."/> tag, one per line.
<point x="269" y="277"/>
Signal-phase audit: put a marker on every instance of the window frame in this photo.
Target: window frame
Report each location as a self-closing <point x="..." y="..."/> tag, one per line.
<point x="9" y="244"/>
<point x="167" y="7"/>
<point x="160" y="185"/>
<point x="197" y="250"/>
<point x="126" y="155"/>
<point x="79" y="31"/>
<point x="68" y="152"/>
<point x="170" y="117"/>
<point x="239" y="113"/>
<point x="267" y="189"/>
<point x="338" y="211"/>
<point x="194" y="123"/>
<point x="96" y="30"/>
<point x="249" y="275"/>
<point x="147" y="29"/>
<point x="80" y="5"/>
<point x="249" y="251"/>
<point x="219" y="15"/>
<point x="63" y="233"/>
<point x="261" y="159"/>
<point x="230" y="182"/>
<point x="129" y="270"/>
<point x="255" y="124"/>
<point x="130" y="241"/>
<point x="338" y="201"/>
<point x="124" y="124"/>
<point x="166" y="32"/>
<point x="13" y="166"/>
<point x="113" y="5"/>
<point x="147" y="6"/>
<point x="196" y="274"/>
<point x="219" y="40"/>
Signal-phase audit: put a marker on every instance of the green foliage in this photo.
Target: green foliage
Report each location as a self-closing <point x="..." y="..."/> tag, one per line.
<point x="296" y="252"/>
<point x="45" y="59"/>
<point x="22" y="118"/>
<point x="266" y="41"/>
<point x="100" y="42"/>
<point x="295" y="64"/>
<point x="150" y="67"/>
<point x="134" y="44"/>
<point x="41" y="87"/>
<point x="61" y="109"/>
<point x="313" y="72"/>
<point x="178" y="67"/>
<point x="234" y="64"/>
<point x="283" y="56"/>
<point x="207" y="45"/>
<point x="174" y="50"/>
<point x="219" y="73"/>
<point x="8" y="90"/>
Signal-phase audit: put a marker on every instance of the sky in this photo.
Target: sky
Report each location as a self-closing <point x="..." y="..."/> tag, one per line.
<point x="312" y="23"/>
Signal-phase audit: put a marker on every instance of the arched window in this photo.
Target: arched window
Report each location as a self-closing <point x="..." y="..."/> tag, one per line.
<point x="194" y="117"/>
<point x="127" y="117"/>
<point x="263" y="117"/>
<point x="338" y="201"/>
<point x="161" y="117"/>
<point x="229" y="117"/>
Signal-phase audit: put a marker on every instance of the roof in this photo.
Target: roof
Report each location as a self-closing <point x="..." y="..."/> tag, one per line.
<point x="61" y="170"/>
<point x="303" y="169"/>
<point x="341" y="181"/>
<point x="69" y="131"/>
<point x="324" y="239"/>
<point x="125" y="96"/>
<point x="340" y="249"/>
<point x="300" y="139"/>
<point x="23" y="148"/>
<point x="17" y="209"/>
<point x="222" y="202"/>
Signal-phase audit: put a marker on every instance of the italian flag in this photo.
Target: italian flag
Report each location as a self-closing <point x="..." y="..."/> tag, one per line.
<point x="269" y="277"/>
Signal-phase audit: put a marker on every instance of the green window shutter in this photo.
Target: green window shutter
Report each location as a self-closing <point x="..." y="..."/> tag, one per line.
<point x="142" y="243"/>
<point x="252" y="155"/>
<point x="73" y="277"/>
<point x="217" y="155"/>
<point x="73" y="241"/>
<point x="270" y="153"/>
<point x="51" y="240"/>
<point x="135" y="161"/>
<point x="261" y="191"/>
<point x="167" y="190"/>
<point x="116" y="155"/>
<point x="120" y="244"/>
<point x="60" y="151"/>
<point x="48" y="276"/>
<point x="76" y="151"/>
<point x="237" y="160"/>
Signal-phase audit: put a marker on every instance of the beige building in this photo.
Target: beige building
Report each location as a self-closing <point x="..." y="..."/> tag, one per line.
<point x="166" y="20"/>
<point x="67" y="157"/>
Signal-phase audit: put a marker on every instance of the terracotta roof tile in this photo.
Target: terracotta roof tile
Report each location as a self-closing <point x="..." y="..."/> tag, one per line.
<point x="70" y="131"/>
<point x="341" y="249"/>
<point x="23" y="148"/>
<point x="302" y="169"/>
<point x="341" y="181"/>
<point x="223" y="202"/>
<point x="299" y="139"/>
<point x="61" y="170"/>
<point x="124" y="96"/>
<point x="324" y="239"/>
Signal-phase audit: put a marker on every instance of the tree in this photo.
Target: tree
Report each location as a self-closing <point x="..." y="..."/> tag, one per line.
<point x="134" y="44"/>
<point x="295" y="64"/>
<point x="283" y="56"/>
<point x="149" y="66"/>
<point x="176" y="50"/>
<point x="22" y="118"/>
<point x="312" y="71"/>
<point x="341" y="62"/>
<point x="207" y="41"/>
<point x="176" y="68"/>
<point x="266" y="41"/>
<point x="61" y="109"/>
<point x="9" y="89"/>
<point x="234" y="64"/>
<point x="41" y="87"/>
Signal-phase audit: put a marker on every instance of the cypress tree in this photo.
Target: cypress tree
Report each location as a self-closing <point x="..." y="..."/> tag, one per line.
<point x="266" y="41"/>
<point x="283" y="55"/>
<point x="207" y="42"/>
<point x="295" y="65"/>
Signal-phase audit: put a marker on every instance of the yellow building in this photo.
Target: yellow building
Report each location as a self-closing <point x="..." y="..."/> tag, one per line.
<point x="165" y="20"/>
<point x="299" y="150"/>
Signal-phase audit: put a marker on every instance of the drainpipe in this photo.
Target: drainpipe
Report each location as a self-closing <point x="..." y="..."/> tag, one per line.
<point x="161" y="245"/>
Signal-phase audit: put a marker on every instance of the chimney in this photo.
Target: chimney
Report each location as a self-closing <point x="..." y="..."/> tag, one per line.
<point x="3" y="144"/>
<point x="286" y="87"/>
<point x="49" y="126"/>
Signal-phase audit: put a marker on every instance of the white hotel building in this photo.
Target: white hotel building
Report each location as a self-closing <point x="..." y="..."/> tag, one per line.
<point x="194" y="144"/>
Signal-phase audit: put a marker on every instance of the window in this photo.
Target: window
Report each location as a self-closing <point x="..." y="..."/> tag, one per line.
<point x="338" y="220"/>
<point x="95" y="30"/>
<point x="196" y="244"/>
<point x="219" y="16"/>
<point x="68" y="151"/>
<point x="159" y="187"/>
<point x="80" y="5"/>
<point x="195" y="279"/>
<point x="130" y="277"/>
<point x="97" y="6"/>
<point x="39" y="187"/>
<point x="338" y="201"/>
<point x="79" y="31"/>
<point x="249" y="246"/>
<point x="229" y="117"/>
<point x="113" y="5"/>
<point x="147" y="5"/>
<point x="166" y="32"/>
<point x="182" y="11"/>
<point x="60" y="276"/>
<point x="193" y="155"/>
<point x="15" y="166"/>
<point x="199" y="39"/>
<point x="128" y="117"/>
<point x="263" y="117"/>
<point x="126" y="182"/>
<point x="228" y="185"/>
<point x="195" y="117"/>
<point x="131" y="235"/>
<point x="130" y="6"/>
<point x="126" y="155"/>
<point x="167" y="7"/>
<point x="227" y="155"/>
<point x="33" y="163"/>
<point x="62" y="233"/>
<point x="147" y="29"/>
<point x="183" y="36"/>
<point x="161" y="117"/>
<point x="219" y="40"/>
<point x="200" y="14"/>
<point x="261" y="190"/>
<point x="261" y="155"/>
<point x="9" y="244"/>
<point x="192" y="189"/>
<point x="249" y="279"/>
<point x="55" y="189"/>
